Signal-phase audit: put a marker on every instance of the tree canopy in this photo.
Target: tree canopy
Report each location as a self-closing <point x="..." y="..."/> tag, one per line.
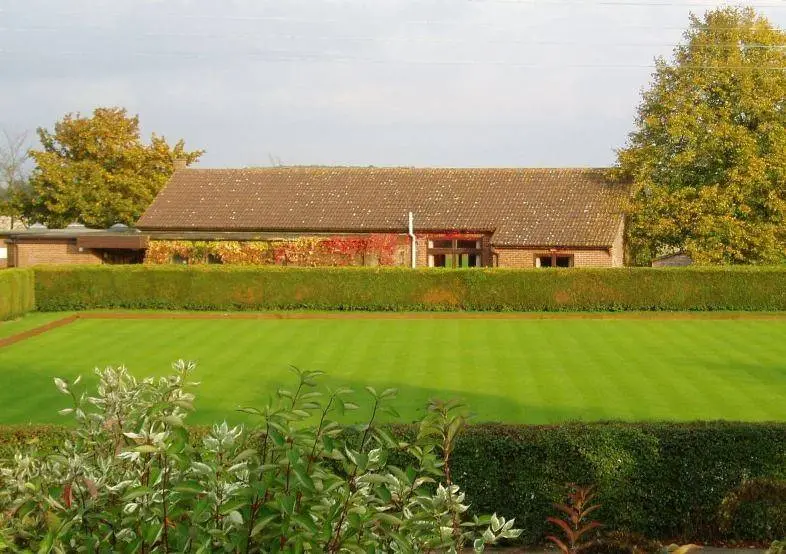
<point x="97" y="171"/>
<point x="708" y="154"/>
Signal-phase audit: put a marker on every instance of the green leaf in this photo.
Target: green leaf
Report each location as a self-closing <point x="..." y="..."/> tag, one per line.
<point x="361" y="460"/>
<point x="245" y="455"/>
<point x="151" y="532"/>
<point x="235" y="518"/>
<point x="278" y="438"/>
<point x="262" y="523"/>
<point x="136" y="492"/>
<point x="288" y="504"/>
<point x="304" y="478"/>
<point x="174" y="421"/>
<point x="191" y="487"/>
<point x="306" y="522"/>
<point x="388" y="518"/>
<point x="49" y="541"/>
<point x="384" y="494"/>
<point x="234" y="504"/>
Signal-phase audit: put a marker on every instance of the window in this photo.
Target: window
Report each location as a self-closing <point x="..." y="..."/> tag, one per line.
<point x="3" y="253"/>
<point x="554" y="260"/>
<point x="455" y="253"/>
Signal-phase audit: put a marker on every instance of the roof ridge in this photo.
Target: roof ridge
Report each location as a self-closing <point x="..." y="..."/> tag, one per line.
<point x="393" y="168"/>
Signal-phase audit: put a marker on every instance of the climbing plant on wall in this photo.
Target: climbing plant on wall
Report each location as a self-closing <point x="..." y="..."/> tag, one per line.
<point x="304" y="251"/>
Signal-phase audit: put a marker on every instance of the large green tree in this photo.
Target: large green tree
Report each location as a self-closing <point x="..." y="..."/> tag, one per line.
<point x="708" y="155"/>
<point x="98" y="171"/>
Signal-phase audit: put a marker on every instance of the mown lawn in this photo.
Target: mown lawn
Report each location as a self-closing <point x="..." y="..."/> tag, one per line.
<point x="528" y="370"/>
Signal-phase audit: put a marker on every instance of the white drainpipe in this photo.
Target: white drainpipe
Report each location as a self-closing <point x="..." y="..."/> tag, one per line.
<point x="412" y="238"/>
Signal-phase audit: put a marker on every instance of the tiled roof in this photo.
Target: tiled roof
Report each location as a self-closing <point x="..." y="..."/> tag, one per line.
<point x="537" y="207"/>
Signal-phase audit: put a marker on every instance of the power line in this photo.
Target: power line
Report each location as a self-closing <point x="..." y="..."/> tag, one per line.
<point x="322" y="21"/>
<point x="424" y="40"/>
<point x="282" y="56"/>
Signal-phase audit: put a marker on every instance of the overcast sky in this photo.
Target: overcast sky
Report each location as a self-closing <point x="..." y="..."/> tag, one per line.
<point x="351" y="82"/>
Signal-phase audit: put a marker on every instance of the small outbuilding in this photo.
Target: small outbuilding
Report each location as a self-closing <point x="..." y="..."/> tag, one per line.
<point x="76" y="244"/>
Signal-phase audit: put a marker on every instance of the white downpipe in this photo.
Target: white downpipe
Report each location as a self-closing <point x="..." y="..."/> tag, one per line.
<point x="412" y="238"/>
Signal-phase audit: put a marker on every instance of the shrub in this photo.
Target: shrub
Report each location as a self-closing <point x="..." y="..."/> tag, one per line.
<point x="755" y="509"/>
<point x="354" y="288"/>
<point x="664" y="481"/>
<point x="16" y="293"/>
<point x="661" y="480"/>
<point x="574" y="523"/>
<point x="132" y="479"/>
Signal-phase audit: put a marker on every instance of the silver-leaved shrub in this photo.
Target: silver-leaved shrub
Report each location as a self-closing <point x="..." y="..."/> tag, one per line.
<point x="134" y="478"/>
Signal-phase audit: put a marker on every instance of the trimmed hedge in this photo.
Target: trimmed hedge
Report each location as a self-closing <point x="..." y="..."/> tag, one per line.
<point x="402" y="289"/>
<point x="16" y="293"/>
<point x="663" y="480"/>
<point x="686" y="482"/>
<point x="666" y="481"/>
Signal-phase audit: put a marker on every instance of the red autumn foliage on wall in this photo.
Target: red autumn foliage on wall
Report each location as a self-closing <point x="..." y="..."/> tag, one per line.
<point x="304" y="251"/>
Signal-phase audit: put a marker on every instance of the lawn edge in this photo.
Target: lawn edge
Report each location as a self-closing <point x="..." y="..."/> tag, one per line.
<point x="35" y="331"/>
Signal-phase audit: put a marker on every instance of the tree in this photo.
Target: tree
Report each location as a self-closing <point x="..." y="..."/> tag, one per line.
<point x="708" y="155"/>
<point x="13" y="181"/>
<point x="97" y="171"/>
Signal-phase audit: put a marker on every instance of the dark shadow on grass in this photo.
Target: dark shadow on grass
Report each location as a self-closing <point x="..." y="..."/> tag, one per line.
<point x="410" y="402"/>
<point x="32" y="397"/>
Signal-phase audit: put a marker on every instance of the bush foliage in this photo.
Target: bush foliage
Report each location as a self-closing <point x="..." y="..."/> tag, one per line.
<point x="690" y="482"/>
<point x="660" y="480"/>
<point x="16" y="293"/>
<point x="131" y="478"/>
<point x="375" y="249"/>
<point x="401" y="289"/>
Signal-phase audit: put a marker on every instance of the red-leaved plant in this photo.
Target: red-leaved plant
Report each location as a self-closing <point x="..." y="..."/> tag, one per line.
<point x="574" y="524"/>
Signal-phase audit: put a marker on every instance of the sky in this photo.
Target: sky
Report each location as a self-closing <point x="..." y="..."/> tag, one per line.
<point x="532" y="83"/>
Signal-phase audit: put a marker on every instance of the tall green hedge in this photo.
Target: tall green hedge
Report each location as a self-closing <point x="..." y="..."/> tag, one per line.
<point x="687" y="482"/>
<point x="16" y="293"/>
<point x="663" y="480"/>
<point x="691" y="482"/>
<point x="261" y="288"/>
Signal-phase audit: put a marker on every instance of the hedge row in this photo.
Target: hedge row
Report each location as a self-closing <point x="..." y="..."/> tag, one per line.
<point x="16" y="293"/>
<point x="264" y="288"/>
<point x="674" y="482"/>
<point x="662" y="480"/>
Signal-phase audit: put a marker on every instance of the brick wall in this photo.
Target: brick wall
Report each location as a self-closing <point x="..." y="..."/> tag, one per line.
<point x="422" y="252"/>
<point x="51" y="252"/>
<point x="524" y="258"/>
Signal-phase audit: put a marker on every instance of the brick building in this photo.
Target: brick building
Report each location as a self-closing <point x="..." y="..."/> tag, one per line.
<point x="76" y="244"/>
<point x="437" y="217"/>
<point x="460" y="217"/>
